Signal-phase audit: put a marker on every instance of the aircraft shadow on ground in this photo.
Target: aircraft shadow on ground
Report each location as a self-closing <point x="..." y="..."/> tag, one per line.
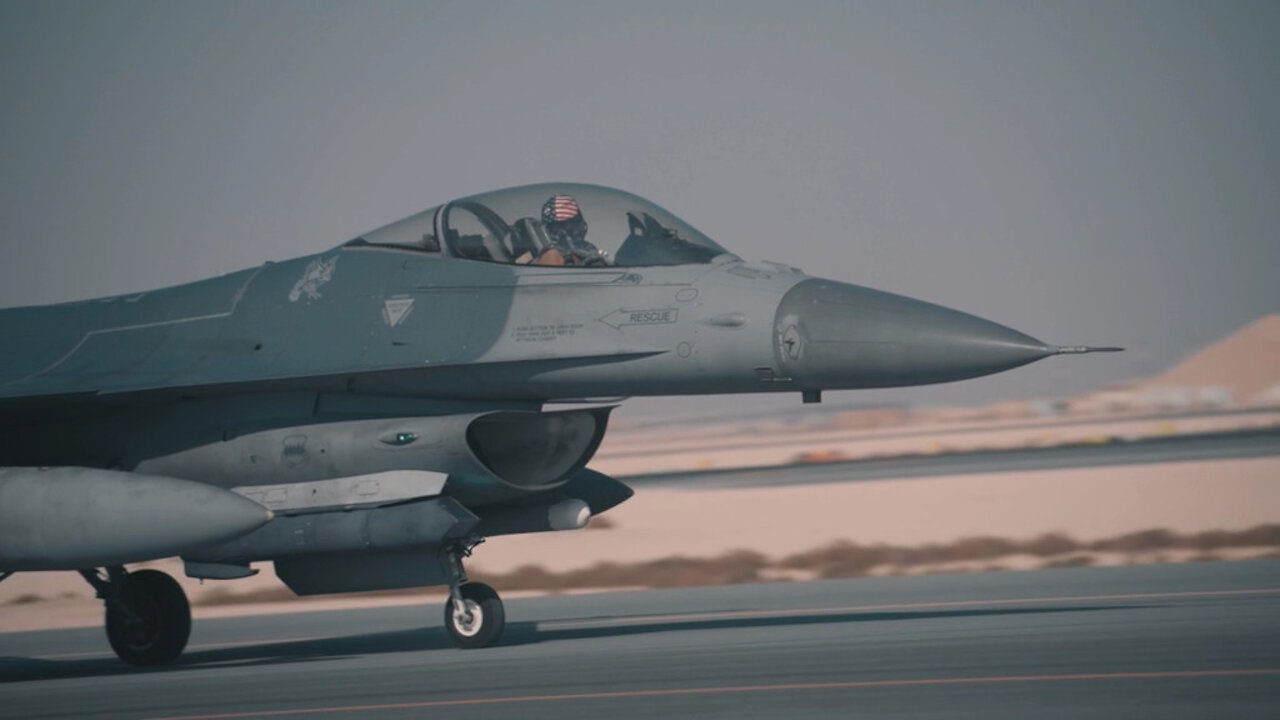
<point x="14" y="669"/>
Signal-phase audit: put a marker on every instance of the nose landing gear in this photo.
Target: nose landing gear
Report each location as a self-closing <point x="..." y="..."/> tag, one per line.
<point x="473" y="616"/>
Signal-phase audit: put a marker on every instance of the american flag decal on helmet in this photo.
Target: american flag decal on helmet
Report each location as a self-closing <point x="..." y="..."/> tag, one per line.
<point x="560" y="208"/>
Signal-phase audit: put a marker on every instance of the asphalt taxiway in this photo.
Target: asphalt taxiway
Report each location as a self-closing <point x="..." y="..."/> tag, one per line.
<point x="1168" y="641"/>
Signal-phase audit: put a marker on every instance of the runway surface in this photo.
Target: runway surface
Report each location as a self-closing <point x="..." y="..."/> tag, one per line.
<point x="1180" y="448"/>
<point x="1169" y="641"/>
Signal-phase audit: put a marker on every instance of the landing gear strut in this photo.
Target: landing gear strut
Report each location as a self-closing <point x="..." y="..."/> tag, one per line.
<point x="473" y="616"/>
<point x="148" y="618"/>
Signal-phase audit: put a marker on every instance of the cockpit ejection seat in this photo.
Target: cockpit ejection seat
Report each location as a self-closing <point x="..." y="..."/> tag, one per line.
<point x="528" y="239"/>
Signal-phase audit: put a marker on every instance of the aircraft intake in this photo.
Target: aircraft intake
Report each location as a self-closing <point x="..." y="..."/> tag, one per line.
<point x="70" y="518"/>
<point x="536" y="450"/>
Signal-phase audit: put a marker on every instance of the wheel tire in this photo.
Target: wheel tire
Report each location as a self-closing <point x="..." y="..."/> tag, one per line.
<point x="487" y="617"/>
<point x="161" y="622"/>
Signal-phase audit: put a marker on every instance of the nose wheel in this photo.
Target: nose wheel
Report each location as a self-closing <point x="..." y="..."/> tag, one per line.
<point x="474" y="616"/>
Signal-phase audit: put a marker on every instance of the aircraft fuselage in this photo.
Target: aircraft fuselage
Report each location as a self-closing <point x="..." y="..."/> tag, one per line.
<point x="350" y="412"/>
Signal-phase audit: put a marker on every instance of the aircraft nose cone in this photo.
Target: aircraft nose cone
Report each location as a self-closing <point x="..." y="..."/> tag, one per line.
<point x="831" y="335"/>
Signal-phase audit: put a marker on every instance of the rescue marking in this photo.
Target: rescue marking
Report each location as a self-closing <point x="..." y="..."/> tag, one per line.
<point x="655" y="316"/>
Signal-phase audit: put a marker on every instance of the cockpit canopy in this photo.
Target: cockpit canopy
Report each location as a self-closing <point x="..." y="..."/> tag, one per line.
<point x="552" y="225"/>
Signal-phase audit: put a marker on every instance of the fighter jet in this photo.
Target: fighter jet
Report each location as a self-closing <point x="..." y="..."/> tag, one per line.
<point x="364" y="417"/>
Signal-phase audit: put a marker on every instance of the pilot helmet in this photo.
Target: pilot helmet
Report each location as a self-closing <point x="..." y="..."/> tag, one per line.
<point x="564" y="222"/>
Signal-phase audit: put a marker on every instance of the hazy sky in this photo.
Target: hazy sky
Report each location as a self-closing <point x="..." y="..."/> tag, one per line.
<point x="1086" y="172"/>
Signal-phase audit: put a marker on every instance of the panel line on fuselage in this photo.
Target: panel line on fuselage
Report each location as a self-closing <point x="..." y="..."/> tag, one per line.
<point x="235" y="303"/>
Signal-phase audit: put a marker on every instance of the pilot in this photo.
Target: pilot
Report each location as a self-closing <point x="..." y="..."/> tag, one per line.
<point x="567" y="232"/>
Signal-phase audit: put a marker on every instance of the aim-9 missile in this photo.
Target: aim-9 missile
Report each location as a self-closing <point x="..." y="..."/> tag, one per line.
<point x="70" y="518"/>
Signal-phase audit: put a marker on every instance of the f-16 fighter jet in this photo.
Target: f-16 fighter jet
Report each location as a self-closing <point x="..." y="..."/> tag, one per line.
<point x="364" y="417"/>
